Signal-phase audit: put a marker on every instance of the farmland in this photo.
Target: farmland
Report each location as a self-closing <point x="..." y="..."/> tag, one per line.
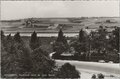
<point x="75" y="23"/>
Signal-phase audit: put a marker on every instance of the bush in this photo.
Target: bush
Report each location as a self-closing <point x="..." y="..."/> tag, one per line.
<point x="67" y="71"/>
<point x="93" y="76"/>
<point x="100" y="76"/>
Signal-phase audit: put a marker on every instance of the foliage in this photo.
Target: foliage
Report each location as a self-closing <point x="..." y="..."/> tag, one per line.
<point x="2" y="34"/>
<point x="99" y="44"/>
<point x="100" y="76"/>
<point x="42" y="63"/>
<point x="81" y="35"/>
<point x="93" y="76"/>
<point x="99" y="39"/>
<point x="60" y="45"/>
<point x="116" y="39"/>
<point x="34" y="41"/>
<point x="17" y="37"/>
<point x="17" y="58"/>
<point x="82" y="44"/>
<point x="61" y="38"/>
<point x="67" y="71"/>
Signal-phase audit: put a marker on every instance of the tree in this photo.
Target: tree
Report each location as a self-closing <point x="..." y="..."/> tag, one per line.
<point x="67" y="71"/>
<point x="116" y="39"/>
<point x="60" y="44"/>
<point x="81" y="35"/>
<point x="16" y="60"/>
<point x="102" y="32"/>
<point x="42" y="64"/>
<point x="34" y="41"/>
<point x="3" y="38"/>
<point x="2" y="34"/>
<point x="99" y="40"/>
<point x="25" y="61"/>
<point x="61" y="38"/>
<point x="17" y="37"/>
<point x="8" y="42"/>
<point x="82" y="44"/>
<point x="80" y="47"/>
<point x="59" y="48"/>
<point x="9" y="37"/>
<point x="15" y="57"/>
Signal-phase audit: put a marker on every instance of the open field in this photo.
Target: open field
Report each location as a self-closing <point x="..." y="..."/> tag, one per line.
<point x="76" y="23"/>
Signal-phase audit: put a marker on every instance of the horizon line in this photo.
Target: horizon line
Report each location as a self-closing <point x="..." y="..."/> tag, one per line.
<point x="64" y="17"/>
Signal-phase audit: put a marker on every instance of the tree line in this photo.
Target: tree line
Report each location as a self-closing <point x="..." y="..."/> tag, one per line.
<point x="98" y="45"/>
<point x="19" y="57"/>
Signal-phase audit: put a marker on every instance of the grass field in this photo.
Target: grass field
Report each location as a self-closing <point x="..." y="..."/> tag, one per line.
<point x="76" y="23"/>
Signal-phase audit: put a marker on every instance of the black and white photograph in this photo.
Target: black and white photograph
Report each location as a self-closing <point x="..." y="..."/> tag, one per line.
<point x="65" y="39"/>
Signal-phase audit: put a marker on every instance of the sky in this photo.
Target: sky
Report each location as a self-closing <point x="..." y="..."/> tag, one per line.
<point x="58" y="9"/>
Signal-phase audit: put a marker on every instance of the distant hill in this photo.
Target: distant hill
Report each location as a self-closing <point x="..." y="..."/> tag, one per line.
<point x="76" y="22"/>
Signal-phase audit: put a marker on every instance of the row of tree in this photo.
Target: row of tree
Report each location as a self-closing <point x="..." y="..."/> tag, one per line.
<point x="19" y="57"/>
<point x="99" y="44"/>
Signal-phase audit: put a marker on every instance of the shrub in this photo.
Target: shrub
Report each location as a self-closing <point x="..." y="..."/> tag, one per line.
<point x="93" y="76"/>
<point x="67" y="71"/>
<point x="100" y="76"/>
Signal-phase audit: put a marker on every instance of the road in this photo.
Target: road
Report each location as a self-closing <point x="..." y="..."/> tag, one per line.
<point x="101" y="67"/>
